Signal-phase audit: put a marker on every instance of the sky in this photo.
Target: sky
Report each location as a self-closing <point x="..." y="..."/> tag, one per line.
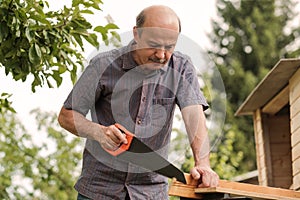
<point x="195" y="17"/>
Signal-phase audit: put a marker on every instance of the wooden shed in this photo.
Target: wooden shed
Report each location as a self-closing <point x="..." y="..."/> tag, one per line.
<point x="275" y="106"/>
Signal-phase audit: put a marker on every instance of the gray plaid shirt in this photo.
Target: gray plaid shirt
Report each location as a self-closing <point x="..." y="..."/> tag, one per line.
<point x="114" y="89"/>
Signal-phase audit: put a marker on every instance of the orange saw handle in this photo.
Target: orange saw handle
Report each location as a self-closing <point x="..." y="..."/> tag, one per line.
<point x="123" y="147"/>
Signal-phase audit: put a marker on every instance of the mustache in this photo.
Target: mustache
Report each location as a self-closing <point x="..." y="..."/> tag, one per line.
<point x="160" y="61"/>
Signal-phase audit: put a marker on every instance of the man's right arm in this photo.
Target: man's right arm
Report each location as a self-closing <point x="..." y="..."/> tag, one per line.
<point x="109" y="137"/>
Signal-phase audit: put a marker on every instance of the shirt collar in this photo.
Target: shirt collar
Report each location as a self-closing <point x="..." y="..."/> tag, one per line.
<point x="128" y="61"/>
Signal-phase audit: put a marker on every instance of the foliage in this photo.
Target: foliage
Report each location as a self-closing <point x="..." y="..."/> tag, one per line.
<point x="47" y="44"/>
<point x="249" y="38"/>
<point x="6" y="104"/>
<point x="29" y="169"/>
<point x="42" y="164"/>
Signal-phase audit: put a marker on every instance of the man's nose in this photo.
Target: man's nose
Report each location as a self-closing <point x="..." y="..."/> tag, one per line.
<point x="160" y="53"/>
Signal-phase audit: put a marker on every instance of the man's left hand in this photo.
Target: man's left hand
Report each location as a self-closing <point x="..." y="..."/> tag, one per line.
<point x="205" y="176"/>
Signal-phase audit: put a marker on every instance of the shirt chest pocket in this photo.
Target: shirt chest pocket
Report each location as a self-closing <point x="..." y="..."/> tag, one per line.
<point x="161" y="111"/>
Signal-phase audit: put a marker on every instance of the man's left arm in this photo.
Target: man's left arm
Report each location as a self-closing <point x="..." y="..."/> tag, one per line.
<point x="195" y="123"/>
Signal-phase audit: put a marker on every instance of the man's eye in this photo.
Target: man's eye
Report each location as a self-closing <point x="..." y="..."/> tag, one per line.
<point x="154" y="46"/>
<point x="169" y="47"/>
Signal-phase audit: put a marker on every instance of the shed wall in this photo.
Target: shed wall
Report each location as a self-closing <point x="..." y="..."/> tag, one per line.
<point x="273" y="149"/>
<point x="280" y="148"/>
<point x="295" y="127"/>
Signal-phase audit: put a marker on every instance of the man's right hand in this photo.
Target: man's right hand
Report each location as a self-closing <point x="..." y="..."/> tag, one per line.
<point x="111" y="137"/>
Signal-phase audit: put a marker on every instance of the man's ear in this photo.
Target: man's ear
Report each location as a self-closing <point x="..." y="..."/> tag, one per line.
<point x="135" y="33"/>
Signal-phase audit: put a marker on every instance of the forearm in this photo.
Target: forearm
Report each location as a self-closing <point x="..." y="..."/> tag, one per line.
<point x="109" y="137"/>
<point x="200" y="150"/>
<point x="77" y="124"/>
<point x="195" y="124"/>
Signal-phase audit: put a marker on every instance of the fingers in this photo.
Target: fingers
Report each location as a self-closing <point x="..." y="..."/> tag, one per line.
<point x="209" y="180"/>
<point x="206" y="176"/>
<point x="119" y="136"/>
<point x="195" y="174"/>
<point x="113" y="138"/>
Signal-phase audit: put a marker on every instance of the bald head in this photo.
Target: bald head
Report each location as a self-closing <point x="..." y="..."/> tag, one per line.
<point x="158" y="16"/>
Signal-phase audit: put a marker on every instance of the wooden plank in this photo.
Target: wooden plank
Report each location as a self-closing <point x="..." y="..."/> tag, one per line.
<point x="295" y="122"/>
<point x="263" y="179"/>
<point x="254" y="191"/>
<point x="258" y="143"/>
<point x="232" y="188"/>
<point x="296" y="153"/>
<point x="267" y="149"/>
<point x="278" y="102"/>
<point x="185" y="190"/>
<point x="296" y="182"/>
<point x="295" y="86"/>
<point x="295" y="107"/>
<point x="263" y="153"/>
<point x="295" y="139"/>
<point x="296" y="166"/>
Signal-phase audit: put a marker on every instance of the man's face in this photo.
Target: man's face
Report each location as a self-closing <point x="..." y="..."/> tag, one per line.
<point x="154" y="47"/>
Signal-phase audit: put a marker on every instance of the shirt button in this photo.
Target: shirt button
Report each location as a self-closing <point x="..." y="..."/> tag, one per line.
<point x="139" y="121"/>
<point x="144" y="99"/>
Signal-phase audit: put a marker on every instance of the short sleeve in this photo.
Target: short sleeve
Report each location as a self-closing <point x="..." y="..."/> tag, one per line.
<point x="189" y="92"/>
<point x="84" y="93"/>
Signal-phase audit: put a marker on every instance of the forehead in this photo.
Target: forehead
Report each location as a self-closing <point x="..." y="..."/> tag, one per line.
<point x="158" y="34"/>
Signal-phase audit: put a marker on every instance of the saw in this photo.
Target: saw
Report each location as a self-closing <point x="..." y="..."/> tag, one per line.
<point x="138" y="153"/>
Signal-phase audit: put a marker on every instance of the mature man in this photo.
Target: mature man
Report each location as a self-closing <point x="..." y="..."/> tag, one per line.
<point x="138" y="87"/>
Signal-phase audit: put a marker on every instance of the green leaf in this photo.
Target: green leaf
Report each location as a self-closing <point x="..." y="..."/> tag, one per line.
<point x="105" y="38"/>
<point x="28" y="34"/>
<point x="73" y="74"/>
<point x="116" y="35"/>
<point x="96" y="6"/>
<point x="82" y="23"/>
<point x="34" y="54"/>
<point x="78" y="39"/>
<point x="56" y="76"/>
<point x="92" y="39"/>
<point x="87" y="12"/>
<point x="111" y="26"/>
<point x="5" y="94"/>
<point x="100" y="29"/>
<point x="62" y="69"/>
<point x="49" y="84"/>
<point x="40" y="19"/>
<point x="36" y="82"/>
<point x="38" y="50"/>
<point x="76" y="3"/>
